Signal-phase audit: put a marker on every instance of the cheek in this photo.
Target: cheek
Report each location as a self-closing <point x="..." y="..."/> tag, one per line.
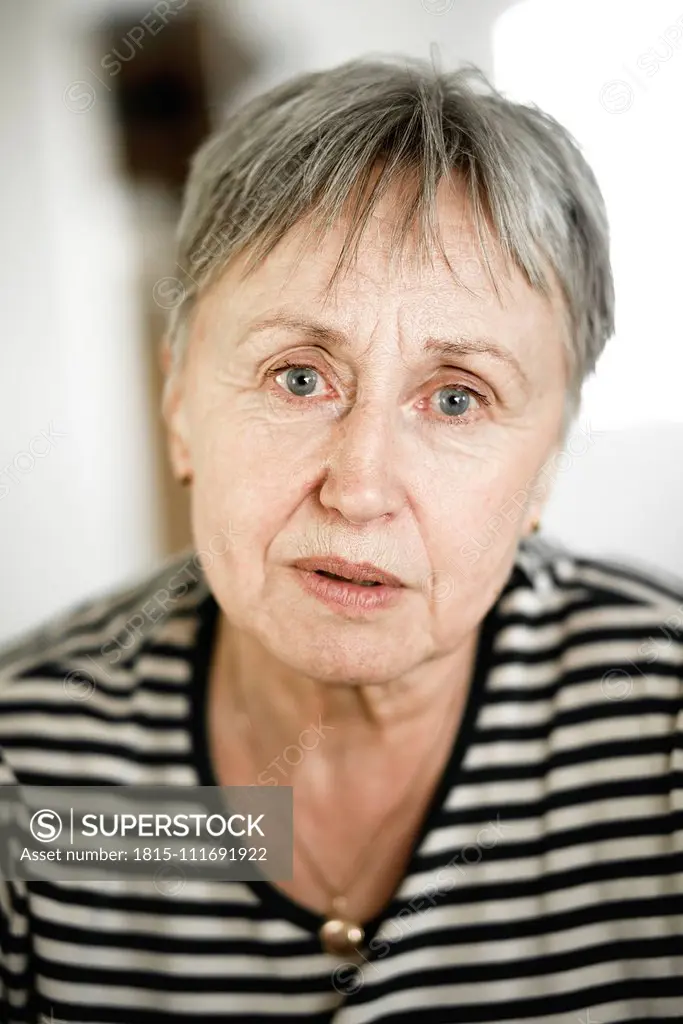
<point x="472" y="548"/>
<point x="471" y="514"/>
<point x="250" y="477"/>
<point x="463" y="521"/>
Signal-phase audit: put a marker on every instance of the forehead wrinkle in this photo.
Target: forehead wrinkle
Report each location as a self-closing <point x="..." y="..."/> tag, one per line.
<point x="451" y="348"/>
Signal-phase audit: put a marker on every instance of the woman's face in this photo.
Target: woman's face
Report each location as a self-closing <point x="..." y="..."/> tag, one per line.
<point x="385" y="446"/>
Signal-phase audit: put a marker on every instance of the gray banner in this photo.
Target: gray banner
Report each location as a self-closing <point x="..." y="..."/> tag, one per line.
<point x="96" y="833"/>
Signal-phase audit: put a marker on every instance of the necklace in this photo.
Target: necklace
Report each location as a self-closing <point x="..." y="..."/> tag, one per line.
<point x="339" y="934"/>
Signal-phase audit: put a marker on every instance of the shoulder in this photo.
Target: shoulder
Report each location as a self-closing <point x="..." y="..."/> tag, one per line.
<point x="585" y="689"/>
<point x="611" y="629"/>
<point x="101" y="694"/>
<point x="551" y="576"/>
<point x="92" y="641"/>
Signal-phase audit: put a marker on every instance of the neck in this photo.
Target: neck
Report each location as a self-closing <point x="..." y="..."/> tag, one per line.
<point x="273" y="709"/>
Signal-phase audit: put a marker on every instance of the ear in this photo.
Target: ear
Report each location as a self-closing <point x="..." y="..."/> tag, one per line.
<point x="174" y="413"/>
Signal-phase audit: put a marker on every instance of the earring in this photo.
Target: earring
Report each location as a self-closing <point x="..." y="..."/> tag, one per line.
<point x="535" y="526"/>
<point x="186" y="479"/>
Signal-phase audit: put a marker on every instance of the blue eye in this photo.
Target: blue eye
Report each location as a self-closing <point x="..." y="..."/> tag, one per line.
<point x="455" y="401"/>
<point x="301" y="380"/>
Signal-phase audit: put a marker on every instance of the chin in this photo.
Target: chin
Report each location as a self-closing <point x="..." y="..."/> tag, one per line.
<point x="356" y="661"/>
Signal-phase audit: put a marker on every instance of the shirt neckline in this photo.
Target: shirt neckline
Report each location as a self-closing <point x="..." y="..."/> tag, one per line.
<point x="275" y="902"/>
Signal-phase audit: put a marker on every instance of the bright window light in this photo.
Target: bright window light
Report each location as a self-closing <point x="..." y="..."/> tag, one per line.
<point x="612" y="73"/>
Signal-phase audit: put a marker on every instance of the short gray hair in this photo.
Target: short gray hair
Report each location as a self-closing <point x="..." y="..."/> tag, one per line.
<point x="311" y="144"/>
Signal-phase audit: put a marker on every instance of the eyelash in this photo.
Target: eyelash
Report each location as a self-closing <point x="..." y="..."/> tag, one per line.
<point x="453" y="420"/>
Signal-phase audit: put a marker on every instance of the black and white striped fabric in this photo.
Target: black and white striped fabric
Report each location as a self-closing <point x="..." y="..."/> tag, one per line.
<point x="547" y="883"/>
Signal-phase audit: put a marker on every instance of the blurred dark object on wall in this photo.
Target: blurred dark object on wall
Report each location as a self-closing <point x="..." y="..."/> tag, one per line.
<point x="164" y="87"/>
<point x="171" y="73"/>
<point x="161" y="99"/>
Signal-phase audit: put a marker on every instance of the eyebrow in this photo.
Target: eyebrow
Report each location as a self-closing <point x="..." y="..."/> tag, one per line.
<point x="448" y="348"/>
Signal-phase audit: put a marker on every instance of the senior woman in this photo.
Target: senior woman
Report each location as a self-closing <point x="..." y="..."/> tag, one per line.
<point x="396" y="282"/>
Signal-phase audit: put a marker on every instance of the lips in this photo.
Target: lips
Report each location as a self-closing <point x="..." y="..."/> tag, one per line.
<point x="351" y="572"/>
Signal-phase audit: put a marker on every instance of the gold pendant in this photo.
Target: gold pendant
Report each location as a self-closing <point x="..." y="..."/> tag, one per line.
<point x="338" y="935"/>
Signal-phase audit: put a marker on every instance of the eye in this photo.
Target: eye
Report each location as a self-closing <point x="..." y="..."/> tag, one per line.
<point x="299" y="381"/>
<point x="455" y="401"/>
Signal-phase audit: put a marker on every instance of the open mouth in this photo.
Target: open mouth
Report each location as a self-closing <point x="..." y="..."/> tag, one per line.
<point x="345" y="579"/>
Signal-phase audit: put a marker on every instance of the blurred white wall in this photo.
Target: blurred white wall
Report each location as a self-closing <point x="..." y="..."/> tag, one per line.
<point x="302" y="35"/>
<point x="612" y="73"/>
<point x="79" y="515"/>
<point x="84" y="516"/>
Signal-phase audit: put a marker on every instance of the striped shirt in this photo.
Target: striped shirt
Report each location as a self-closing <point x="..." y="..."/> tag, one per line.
<point x="546" y="883"/>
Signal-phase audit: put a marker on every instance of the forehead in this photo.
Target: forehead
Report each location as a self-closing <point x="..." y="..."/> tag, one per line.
<point x="470" y="289"/>
<point x="383" y="260"/>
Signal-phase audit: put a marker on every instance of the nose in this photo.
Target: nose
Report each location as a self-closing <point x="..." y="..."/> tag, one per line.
<point x="362" y="479"/>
